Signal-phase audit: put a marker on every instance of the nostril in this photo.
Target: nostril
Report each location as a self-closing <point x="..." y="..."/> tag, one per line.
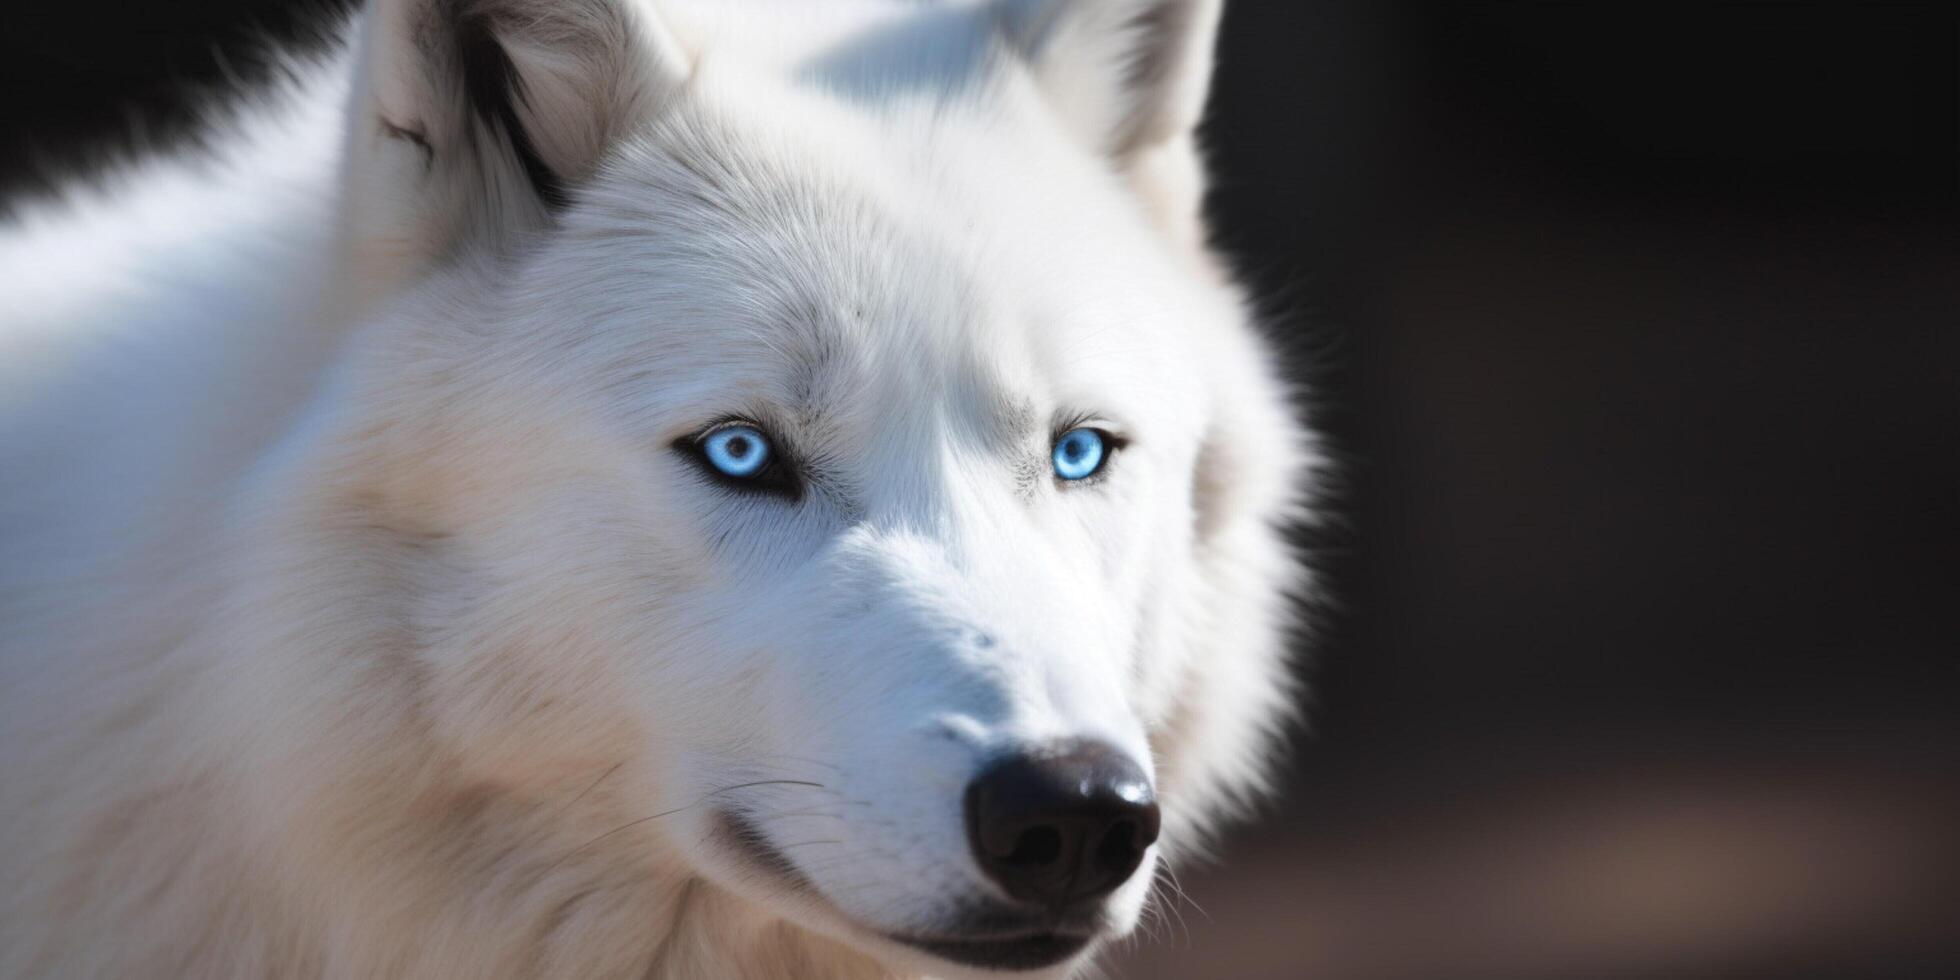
<point x="1036" y="846"/>
<point x="1119" y="851"/>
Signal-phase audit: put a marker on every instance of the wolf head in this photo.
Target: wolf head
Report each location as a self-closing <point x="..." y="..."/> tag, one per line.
<point x="819" y="439"/>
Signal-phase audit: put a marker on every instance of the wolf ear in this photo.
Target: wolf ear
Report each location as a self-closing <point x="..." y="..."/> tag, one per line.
<point x="1130" y="76"/>
<point x="473" y="119"/>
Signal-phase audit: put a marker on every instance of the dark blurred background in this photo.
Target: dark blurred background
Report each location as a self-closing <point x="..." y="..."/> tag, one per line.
<point x="1637" y="329"/>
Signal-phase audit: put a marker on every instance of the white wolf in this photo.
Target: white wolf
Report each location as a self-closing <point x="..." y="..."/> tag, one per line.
<point x="619" y="488"/>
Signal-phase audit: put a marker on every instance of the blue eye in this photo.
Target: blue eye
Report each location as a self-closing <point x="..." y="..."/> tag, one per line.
<point x="1079" y="453"/>
<point x="740" y="451"/>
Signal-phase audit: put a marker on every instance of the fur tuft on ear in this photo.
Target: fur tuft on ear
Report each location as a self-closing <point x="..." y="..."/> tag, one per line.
<point x="1131" y="77"/>
<point x="495" y="94"/>
<point x="476" y="119"/>
<point x="1131" y="74"/>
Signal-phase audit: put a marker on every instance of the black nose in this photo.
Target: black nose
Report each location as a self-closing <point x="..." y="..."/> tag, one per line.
<point x="1061" y="827"/>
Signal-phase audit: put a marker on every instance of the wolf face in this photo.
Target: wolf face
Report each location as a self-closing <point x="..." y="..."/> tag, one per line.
<point x="816" y="448"/>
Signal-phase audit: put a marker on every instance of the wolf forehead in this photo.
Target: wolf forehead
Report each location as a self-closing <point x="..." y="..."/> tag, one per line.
<point x="822" y="257"/>
<point x="731" y="238"/>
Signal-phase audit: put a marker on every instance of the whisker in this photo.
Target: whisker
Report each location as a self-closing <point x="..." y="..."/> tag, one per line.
<point x="1175" y="896"/>
<point x="762" y="782"/>
<point x="1178" y="884"/>
<point x="568" y="855"/>
<point x="814" y="762"/>
<point x="587" y="790"/>
<point x="803" y="813"/>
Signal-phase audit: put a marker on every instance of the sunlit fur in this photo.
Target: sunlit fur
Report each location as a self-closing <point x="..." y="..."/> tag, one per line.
<point x="359" y="617"/>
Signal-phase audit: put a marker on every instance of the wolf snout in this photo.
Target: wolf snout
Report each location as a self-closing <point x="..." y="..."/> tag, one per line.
<point x="1062" y="827"/>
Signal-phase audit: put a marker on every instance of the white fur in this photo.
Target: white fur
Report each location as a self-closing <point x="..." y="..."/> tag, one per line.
<point x="357" y="617"/>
